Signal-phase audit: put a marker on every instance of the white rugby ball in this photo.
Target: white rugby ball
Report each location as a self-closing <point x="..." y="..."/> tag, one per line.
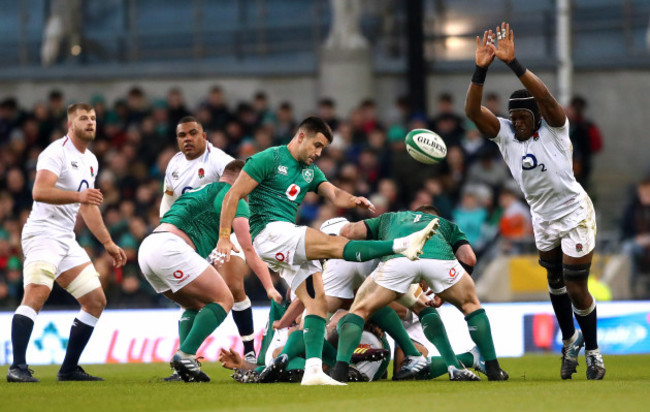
<point x="425" y="146"/>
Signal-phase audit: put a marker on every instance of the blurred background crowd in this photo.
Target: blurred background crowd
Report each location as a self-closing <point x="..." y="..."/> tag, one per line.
<point x="136" y="139"/>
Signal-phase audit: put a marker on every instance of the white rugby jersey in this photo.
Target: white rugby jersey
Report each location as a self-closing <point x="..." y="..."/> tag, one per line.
<point x="76" y="171"/>
<point x="183" y="175"/>
<point x="543" y="168"/>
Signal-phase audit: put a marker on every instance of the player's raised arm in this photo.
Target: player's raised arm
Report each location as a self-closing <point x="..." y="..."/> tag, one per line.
<point x="242" y="231"/>
<point x="341" y="198"/>
<point x="486" y="122"/>
<point x="550" y="109"/>
<point x="240" y="189"/>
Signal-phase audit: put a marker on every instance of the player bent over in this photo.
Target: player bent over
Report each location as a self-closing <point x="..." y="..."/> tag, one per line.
<point x="277" y="180"/>
<point x="535" y="144"/>
<point x="173" y="260"/>
<point x="438" y="267"/>
<point x="64" y="187"/>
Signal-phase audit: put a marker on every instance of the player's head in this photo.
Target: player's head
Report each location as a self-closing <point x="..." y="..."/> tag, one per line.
<point x="312" y="137"/>
<point x="190" y="137"/>
<point x="231" y="171"/>
<point x="82" y="121"/>
<point x="524" y="114"/>
<point x="429" y="210"/>
<point x="333" y="226"/>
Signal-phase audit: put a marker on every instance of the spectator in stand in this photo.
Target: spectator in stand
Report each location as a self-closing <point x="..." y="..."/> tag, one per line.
<point x="176" y="109"/>
<point x="493" y="102"/>
<point x="516" y="223"/>
<point x="586" y="139"/>
<point x="489" y="169"/>
<point x="220" y="115"/>
<point x="636" y="239"/>
<point x="327" y="112"/>
<point x="447" y="123"/>
<point x="262" y="109"/>
<point x="285" y="124"/>
<point x="470" y="217"/>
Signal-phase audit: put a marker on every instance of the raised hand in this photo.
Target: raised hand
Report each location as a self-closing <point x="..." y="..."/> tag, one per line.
<point x="505" y="46"/>
<point x="484" y="53"/>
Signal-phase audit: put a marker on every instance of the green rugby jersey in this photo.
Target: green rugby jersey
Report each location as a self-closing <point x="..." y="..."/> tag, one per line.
<point x="283" y="183"/>
<point x="442" y="246"/>
<point x="197" y="213"/>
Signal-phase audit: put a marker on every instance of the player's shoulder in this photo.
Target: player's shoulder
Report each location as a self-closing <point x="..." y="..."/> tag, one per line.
<point x="56" y="148"/>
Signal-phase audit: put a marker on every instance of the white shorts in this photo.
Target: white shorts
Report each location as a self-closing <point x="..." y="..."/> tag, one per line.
<point x="168" y="262"/>
<point x="60" y="249"/>
<point x="398" y="274"/>
<point x="575" y="233"/>
<point x="282" y="246"/>
<point x="341" y="278"/>
<point x="235" y="242"/>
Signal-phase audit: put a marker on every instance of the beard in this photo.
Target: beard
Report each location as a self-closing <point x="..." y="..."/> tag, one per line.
<point x="84" y="134"/>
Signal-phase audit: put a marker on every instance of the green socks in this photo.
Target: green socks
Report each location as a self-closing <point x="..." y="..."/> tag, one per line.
<point x="388" y="320"/>
<point x="435" y="331"/>
<point x="363" y="250"/>
<point x="350" y="328"/>
<point x="205" y="322"/>
<point x="185" y="324"/>
<point x="295" y="345"/>
<point x="314" y="335"/>
<point x="479" y="329"/>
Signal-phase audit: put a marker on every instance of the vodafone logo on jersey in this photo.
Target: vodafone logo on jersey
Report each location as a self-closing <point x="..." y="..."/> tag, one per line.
<point x="293" y="191"/>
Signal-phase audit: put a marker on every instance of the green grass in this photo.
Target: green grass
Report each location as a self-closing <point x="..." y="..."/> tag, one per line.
<point x="534" y="385"/>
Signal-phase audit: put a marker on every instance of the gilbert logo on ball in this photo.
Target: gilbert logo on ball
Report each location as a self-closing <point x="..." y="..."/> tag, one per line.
<point x="425" y="146"/>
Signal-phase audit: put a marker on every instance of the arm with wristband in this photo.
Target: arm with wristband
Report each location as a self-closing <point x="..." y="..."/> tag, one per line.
<point x="504" y="50"/>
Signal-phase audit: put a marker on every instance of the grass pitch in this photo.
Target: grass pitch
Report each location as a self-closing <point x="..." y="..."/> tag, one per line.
<point x="534" y="385"/>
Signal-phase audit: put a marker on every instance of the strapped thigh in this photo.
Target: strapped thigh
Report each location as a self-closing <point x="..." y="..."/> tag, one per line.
<point x="576" y="272"/>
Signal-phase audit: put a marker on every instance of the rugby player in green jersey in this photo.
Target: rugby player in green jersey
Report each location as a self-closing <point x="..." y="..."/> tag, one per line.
<point x="276" y="181"/>
<point x="173" y="260"/>
<point x="438" y="267"/>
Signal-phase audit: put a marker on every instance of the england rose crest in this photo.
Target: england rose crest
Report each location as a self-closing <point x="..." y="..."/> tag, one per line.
<point x="92" y="172"/>
<point x="201" y="173"/>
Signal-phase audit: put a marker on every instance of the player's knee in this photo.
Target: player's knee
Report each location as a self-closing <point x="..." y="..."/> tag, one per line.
<point x="553" y="275"/>
<point x="410" y="298"/>
<point x="39" y="273"/>
<point x="85" y="282"/>
<point x="576" y="272"/>
<point x="226" y="301"/>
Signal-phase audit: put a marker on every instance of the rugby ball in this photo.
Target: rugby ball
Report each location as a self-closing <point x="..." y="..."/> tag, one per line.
<point x="425" y="146"/>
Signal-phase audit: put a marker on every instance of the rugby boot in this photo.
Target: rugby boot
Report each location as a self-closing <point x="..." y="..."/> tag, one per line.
<point x="78" y="374"/>
<point x="479" y="363"/>
<point x="595" y="365"/>
<point x="272" y="372"/>
<point x="456" y="374"/>
<point x="411" y="368"/>
<point x="20" y="373"/>
<point x="570" y="352"/>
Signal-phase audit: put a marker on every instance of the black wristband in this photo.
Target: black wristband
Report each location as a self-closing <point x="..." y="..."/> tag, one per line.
<point x="479" y="75"/>
<point x="516" y="67"/>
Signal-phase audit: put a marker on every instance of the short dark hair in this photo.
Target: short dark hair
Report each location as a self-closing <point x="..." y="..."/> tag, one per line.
<point x="189" y="119"/>
<point x="428" y="209"/>
<point x="326" y="101"/>
<point x="234" y="167"/>
<point x="314" y="125"/>
<point x="72" y="109"/>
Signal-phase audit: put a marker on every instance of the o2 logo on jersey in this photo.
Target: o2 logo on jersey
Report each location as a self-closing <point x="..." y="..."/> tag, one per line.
<point x="529" y="162"/>
<point x="293" y="191"/>
<point x="81" y="185"/>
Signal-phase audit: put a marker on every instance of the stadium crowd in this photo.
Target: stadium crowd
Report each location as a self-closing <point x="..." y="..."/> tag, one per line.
<point x="136" y="139"/>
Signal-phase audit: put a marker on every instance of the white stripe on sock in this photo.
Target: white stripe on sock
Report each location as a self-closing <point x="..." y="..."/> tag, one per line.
<point x="87" y="318"/>
<point x="242" y="305"/>
<point x="26" y="311"/>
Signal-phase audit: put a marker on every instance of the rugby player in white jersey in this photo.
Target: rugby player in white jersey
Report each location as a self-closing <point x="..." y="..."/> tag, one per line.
<point x="63" y="188"/>
<point x="535" y="144"/>
<point x="199" y="163"/>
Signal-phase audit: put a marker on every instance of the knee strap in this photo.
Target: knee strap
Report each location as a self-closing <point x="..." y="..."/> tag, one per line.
<point x="553" y="273"/>
<point x="86" y="281"/>
<point x="39" y="273"/>
<point x="309" y="285"/>
<point x="577" y="272"/>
